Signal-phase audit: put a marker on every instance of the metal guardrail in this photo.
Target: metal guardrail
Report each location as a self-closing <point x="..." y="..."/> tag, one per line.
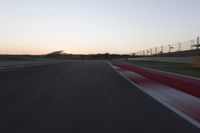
<point x="176" y="47"/>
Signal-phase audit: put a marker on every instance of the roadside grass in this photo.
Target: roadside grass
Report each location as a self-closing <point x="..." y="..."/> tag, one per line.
<point x="178" y="68"/>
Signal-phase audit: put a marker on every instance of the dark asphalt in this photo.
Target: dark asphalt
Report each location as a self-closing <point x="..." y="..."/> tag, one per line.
<point x="80" y="96"/>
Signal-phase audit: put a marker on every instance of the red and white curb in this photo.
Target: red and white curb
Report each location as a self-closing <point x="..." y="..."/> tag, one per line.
<point x="184" y="104"/>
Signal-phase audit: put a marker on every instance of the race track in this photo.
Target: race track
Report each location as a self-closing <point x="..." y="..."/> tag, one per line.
<point x="81" y="97"/>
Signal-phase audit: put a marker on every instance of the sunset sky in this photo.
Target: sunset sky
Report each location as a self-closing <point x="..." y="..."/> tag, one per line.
<point x="95" y="26"/>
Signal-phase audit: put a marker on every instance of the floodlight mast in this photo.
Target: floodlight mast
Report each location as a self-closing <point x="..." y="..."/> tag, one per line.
<point x="156" y="49"/>
<point x="197" y="45"/>
<point x="170" y="47"/>
<point x="179" y="46"/>
<point x="161" y="49"/>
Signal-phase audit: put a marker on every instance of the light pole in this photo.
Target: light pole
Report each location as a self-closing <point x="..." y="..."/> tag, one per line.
<point x="198" y="44"/>
<point x="161" y="49"/>
<point x="170" y="48"/>
<point x="155" y="50"/>
<point x="179" y="46"/>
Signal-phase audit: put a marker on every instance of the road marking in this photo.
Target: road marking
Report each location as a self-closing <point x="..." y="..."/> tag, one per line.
<point x="161" y="94"/>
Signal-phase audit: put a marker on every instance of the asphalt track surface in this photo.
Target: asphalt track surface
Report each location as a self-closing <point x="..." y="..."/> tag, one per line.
<point x="80" y="97"/>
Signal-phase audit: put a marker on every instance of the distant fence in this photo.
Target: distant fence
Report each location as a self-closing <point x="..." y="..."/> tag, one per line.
<point x="176" y="47"/>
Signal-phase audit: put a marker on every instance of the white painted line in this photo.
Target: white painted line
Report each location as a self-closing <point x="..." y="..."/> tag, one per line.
<point x="183" y="101"/>
<point x="160" y="100"/>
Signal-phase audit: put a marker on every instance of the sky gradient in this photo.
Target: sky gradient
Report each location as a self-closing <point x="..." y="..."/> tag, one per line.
<point x="95" y="26"/>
